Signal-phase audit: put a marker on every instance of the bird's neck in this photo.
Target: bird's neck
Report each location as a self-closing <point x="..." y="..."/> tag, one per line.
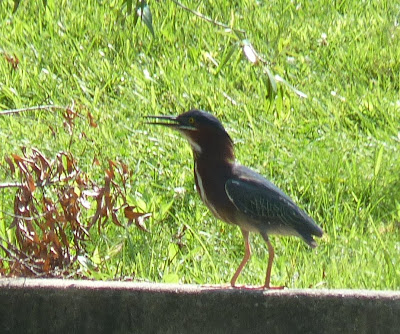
<point x="212" y="147"/>
<point x="217" y="153"/>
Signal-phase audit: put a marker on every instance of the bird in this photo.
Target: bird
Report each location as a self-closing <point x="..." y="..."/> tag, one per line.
<point x="234" y="193"/>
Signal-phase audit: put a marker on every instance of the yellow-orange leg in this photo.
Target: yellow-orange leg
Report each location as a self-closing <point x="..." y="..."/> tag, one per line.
<point x="246" y="257"/>
<point x="271" y="254"/>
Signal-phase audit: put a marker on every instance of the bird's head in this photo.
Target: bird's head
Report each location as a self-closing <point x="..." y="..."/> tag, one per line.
<point x="204" y="132"/>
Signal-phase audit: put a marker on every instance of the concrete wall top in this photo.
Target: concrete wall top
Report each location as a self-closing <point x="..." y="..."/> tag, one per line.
<point x="72" y="306"/>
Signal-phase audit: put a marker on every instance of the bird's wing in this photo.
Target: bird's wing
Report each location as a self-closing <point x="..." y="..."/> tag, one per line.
<point x="263" y="202"/>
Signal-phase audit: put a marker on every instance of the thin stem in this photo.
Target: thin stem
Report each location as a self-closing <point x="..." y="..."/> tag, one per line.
<point x="41" y="184"/>
<point x="16" y="111"/>
<point x="208" y="19"/>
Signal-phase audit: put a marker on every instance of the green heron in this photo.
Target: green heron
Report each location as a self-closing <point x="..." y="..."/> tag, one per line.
<point x="234" y="193"/>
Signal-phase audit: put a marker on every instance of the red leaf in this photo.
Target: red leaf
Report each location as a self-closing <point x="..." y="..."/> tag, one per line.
<point x="70" y="164"/>
<point x="12" y="60"/>
<point x="17" y="158"/>
<point x="10" y="164"/>
<point x="139" y="222"/>
<point x="125" y="168"/>
<point x="115" y="219"/>
<point x="130" y="214"/>
<point x="31" y="183"/>
<point x="138" y="217"/>
<point x="92" y="123"/>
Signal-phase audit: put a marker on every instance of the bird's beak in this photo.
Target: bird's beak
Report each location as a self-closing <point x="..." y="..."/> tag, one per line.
<point x="170" y="121"/>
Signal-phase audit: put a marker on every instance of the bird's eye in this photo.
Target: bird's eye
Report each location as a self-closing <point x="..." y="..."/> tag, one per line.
<point x="191" y="120"/>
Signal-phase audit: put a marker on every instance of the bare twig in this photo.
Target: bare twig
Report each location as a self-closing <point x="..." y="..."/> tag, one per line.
<point x="11" y="185"/>
<point x="208" y="19"/>
<point x="27" y="218"/>
<point x="38" y="108"/>
<point x="16" y="111"/>
<point x="41" y="184"/>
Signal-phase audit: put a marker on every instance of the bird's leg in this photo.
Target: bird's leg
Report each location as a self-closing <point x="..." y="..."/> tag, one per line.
<point x="271" y="254"/>
<point x="246" y="257"/>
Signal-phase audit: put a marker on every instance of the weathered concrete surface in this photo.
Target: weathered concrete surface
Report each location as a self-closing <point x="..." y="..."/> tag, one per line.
<point x="67" y="306"/>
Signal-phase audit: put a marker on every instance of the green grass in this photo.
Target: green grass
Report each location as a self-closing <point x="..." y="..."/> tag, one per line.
<point x="335" y="153"/>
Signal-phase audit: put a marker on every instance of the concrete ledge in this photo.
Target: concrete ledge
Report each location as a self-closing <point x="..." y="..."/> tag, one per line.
<point x="68" y="306"/>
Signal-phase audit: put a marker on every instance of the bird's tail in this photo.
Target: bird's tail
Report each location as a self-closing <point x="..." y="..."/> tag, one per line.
<point x="312" y="229"/>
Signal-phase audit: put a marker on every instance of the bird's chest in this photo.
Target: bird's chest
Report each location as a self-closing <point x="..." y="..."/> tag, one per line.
<point x="210" y="184"/>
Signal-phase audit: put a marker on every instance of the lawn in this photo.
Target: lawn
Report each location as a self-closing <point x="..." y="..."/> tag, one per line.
<point x="336" y="152"/>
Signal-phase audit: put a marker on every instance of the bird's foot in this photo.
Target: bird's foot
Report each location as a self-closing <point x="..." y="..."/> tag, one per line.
<point x="216" y="286"/>
<point x="242" y="287"/>
<point x="268" y="287"/>
<point x="247" y="287"/>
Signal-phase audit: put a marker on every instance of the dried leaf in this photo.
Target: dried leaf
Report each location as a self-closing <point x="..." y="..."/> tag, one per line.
<point x="31" y="183"/>
<point x="109" y="202"/>
<point x="10" y="164"/>
<point x="130" y="213"/>
<point x="125" y="168"/>
<point x="70" y="164"/>
<point x="54" y="239"/>
<point x="12" y="60"/>
<point x="139" y="222"/>
<point x="69" y="114"/>
<point x="60" y="165"/>
<point x="92" y="123"/>
<point x="46" y="266"/>
<point x="49" y="230"/>
<point x="110" y="171"/>
<point x="17" y="158"/>
<point x="249" y="52"/>
<point x="44" y="162"/>
<point x="99" y="208"/>
<point x="85" y="203"/>
<point x="138" y="217"/>
<point x="115" y="219"/>
<point x="53" y="132"/>
<point x="92" y="192"/>
<point x="37" y="170"/>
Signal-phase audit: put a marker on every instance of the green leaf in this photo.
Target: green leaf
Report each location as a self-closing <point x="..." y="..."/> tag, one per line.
<point x="17" y="2"/>
<point x="271" y="84"/>
<point x="16" y="5"/>
<point x="129" y="4"/>
<point x="378" y="162"/>
<point x="226" y="56"/>
<point x="96" y="256"/>
<point x="298" y="92"/>
<point x="145" y="13"/>
<point x="141" y="204"/>
<point x="165" y="207"/>
<point x="135" y="17"/>
<point x="173" y="250"/>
